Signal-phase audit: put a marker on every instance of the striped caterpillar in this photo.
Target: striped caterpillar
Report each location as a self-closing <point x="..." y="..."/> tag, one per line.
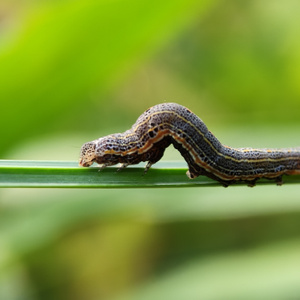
<point x="171" y="123"/>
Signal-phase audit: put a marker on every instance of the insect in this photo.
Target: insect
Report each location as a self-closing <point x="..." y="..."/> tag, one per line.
<point x="171" y="123"/>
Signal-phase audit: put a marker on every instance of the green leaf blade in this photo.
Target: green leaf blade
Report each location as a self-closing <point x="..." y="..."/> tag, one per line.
<point x="66" y="174"/>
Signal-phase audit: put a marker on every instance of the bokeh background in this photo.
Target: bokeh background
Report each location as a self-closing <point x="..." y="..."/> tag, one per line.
<point x="72" y="71"/>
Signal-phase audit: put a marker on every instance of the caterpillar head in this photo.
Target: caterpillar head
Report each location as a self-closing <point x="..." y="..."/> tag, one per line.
<point x="87" y="154"/>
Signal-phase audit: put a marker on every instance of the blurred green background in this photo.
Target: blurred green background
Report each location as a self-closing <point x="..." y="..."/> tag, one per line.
<point x="72" y="71"/>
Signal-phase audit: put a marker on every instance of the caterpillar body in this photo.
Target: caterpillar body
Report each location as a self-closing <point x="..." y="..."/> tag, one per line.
<point x="171" y="123"/>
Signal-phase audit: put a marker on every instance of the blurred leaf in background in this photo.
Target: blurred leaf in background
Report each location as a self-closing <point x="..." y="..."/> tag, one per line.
<point x="74" y="70"/>
<point x="245" y="56"/>
<point x="66" y="55"/>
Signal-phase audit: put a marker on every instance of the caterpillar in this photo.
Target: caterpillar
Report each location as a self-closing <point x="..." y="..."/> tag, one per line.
<point x="171" y="123"/>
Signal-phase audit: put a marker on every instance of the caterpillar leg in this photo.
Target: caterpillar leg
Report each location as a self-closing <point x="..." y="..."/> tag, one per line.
<point x="123" y="166"/>
<point x="252" y="183"/>
<point x="102" y="166"/>
<point x="279" y="180"/>
<point x="148" y="166"/>
<point x="190" y="174"/>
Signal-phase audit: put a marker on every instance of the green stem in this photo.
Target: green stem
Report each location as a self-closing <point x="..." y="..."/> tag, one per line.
<point x="66" y="174"/>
